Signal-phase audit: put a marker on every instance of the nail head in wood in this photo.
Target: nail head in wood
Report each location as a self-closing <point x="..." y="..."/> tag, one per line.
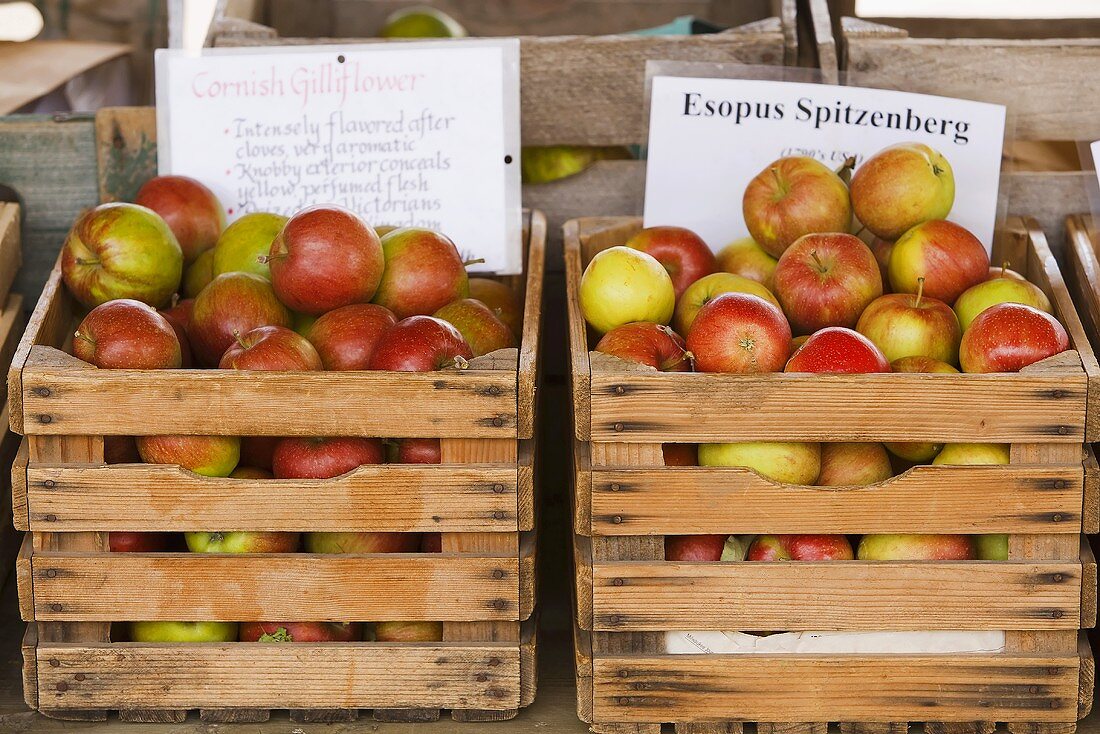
<point x="51" y="573"/>
<point x="498" y="488"/>
<point x="619" y="427"/>
<point x="62" y="686"/>
<point x="42" y="392"/>
<point x="45" y="419"/>
<point x="620" y="390"/>
<point x="49" y="484"/>
<point x="51" y="517"/>
<point x="80" y="676"/>
<point x="498" y="515"/>
<point x="498" y="574"/>
<point x="498" y="422"/>
<point x="55" y="663"/>
<point x="617" y="519"/>
<point x="616" y="487"/>
<point x="617" y="582"/>
<point x="56" y="607"/>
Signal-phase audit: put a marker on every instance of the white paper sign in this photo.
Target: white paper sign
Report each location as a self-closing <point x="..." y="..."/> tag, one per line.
<point x="410" y="134"/>
<point x="709" y="137"/>
<point x="1095" y="148"/>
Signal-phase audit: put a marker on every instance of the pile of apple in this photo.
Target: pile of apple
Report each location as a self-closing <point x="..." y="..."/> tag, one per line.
<point x="318" y="291"/>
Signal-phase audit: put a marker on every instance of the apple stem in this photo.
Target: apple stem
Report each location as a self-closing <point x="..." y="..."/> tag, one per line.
<point x="87" y="261"/>
<point x="778" y="181"/>
<point x="920" y="291"/>
<point x="1004" y="267"/>
<point x="461" y="362"/>
<point x="845" y="170"/>
<point x="817" y="261"/>
<point x="239" y="338"/>
<point x="475" y="261"/>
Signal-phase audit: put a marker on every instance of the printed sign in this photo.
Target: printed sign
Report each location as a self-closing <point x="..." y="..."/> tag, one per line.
<point x="409" y="134"/>
<point x="709" y="137"/>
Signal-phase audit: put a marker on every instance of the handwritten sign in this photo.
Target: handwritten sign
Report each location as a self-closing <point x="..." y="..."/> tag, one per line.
<point x="408" y="134"/>
<point x="709" y="137"/>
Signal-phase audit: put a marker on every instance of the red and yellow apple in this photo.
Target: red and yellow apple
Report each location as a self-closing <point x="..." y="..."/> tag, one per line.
<point x="271" y="348"/>
<point x="682" y="253"/>
<point x="901" y="186"/>
<point x="420" y="344"/>
<point x="479" y="326"/>
<point x="748" y="259"/>
<point x="313" y="457"/>
<point x="800" y="548"/>
<point x="852" y="464"/>
<point x="189" y="208"/>
<point x="737" y="332"/>
<point x="127" y="334"/>
<point x="789" y="463"/>
<point x="838" y="350"/>
<point x="646" y="343"/>
<point x="792" y="197"/>
<point x="423" y="273"/>
<point x="245" y="245"/>
<point x="978" y="298"/>
<point x="210" y="456"/>
<point x="233" y="303"/>
<point x="1010" y="336"/>
<point x="947" y="256"/>
<point x="902" y="547"/>
<point x="706" y="289"/>
<point x="503" y="301"/>
<point x="906" y="325"/>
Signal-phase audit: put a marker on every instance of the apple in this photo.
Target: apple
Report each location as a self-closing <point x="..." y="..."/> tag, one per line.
<point x="800" y="548"/>
<point x="312" y="457"/>
<point x="127" y="334"/>
<point x="121" y="250"/>
<point x="303" y="322"/>
<point x="826" y="280"/>
<point x="325" y="257"/>
<point x="210" y="456"/>
<point x="503" y="301"/>
<point x="737" y="332"/>
<point x="735" y="549"/>
<point x="680" y="454"/>
<point x="694" y="547"/>
<point x="915" y="452"/>
<point x="416" y="451"/>
<point x="258" y="450"/>
<point x="137" y="542"/>
<point x="798" y="341"/>
<point x="706" y="289"/>
<point x="245" y="245"/>
<point x="233" y="302"/>
<point x="904" y="325"/>
<point x="957" y="454"/>
<point x="655" y="345"/>
<point x="899" y="547"/>
<point x="622" y="285"/>
<point x="421" y="21"/>
<point x="901" y="186"/>
<point x="1004" y="272"/>
<point x="947" y="256"/>
<point x="850" y="464"/>
<point x="748" y="259"/>
<point x="251" y="472"/>
<point x="120" y="450"/>
<point x="420" y="344"/>
<point x="198" y="275"/>
<point x="271" y="348"/>
<point x="479" y="326"/>
<point x="921" y="364"/>
<point x="838" y="350"/>
<point x="301" y="631"/>
<point x="345" y="337"/>
<point x="991" y="547"/>
<point x="978" y="298"/>
<point x="408" y="631"/>
<point x="541" y="164"/>
<point x="1010" y="336"/>
<point x="680" y="251"/>
<point x="431" y="543"/>
<point x="362" y="542"/>
<point x="788" y="463"/>
<point x="190" y="210"/>
<point x="183" y="631"/>
<point x="179" y="316"/>
<point x="242" y="542"/>
<point x="423" y="273"/>
<point x="792" y="197"/>
<point x="881" y="249"/>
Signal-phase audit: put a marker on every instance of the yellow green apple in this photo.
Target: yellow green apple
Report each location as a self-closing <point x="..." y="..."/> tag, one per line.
<point x="789" y="463"/>
<point x="622" y="285"/>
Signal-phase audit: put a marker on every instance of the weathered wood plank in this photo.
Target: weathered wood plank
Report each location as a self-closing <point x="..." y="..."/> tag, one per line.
<point x="532" y="322"/>
<point x="148" y="497"/>
<point x="175" y="586"/>
<point x="11" y="252"/>
<point x="824" y="596"/>
<point x="126" y="150"/>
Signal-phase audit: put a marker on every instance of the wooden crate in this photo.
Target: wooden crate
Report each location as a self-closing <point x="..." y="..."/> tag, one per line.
<point x="626" y="501"/>
<point x="481" y="499"/>
<point x="11" y="329"/>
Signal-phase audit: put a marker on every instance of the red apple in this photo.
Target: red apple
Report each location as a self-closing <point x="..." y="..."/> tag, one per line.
<point x="904" y="325"/>
<point x="408" y="631"/>
<point x="120" y="450"/>
<point x="420" y="344"/>
<point x="800" y="548"/>
<point x="792" y="197"/>
<point x="424" y="272"/>
<point x="646" y="343"/>
<point x="682" y="253"/>
<point x="921" y="364"/>
<point x="709" y="287"/>
<point x="210" y="456"/>
<point x="179" y="316"/>
<point x="838" y="350"/>
<point x="479" y="326"/>
<point x="242" y="542"/>
<point x="137" y="542"/>
<point x="431" y="543"/>
<point x="301" y="631"/>
<point x="233" y="302"/>
<point x="346" y="337"/>
<point x="917" y="548"/>
<point x="258" y="450"/>
<point x="901" y="186"/>
<point x="324" y="258"/>
<point x="680" y="454"/>
<point x="416" y="451"/>
<point x="127" y="334"/>
<point x="881" y="249"/>
<point x="121" y="251"/>
<point x="271" y="348"/>
<point x="739" y="333"/>
<point x="191" y="210"/>
<point x="362" y="542"/>
<point x="694" y="547"/>
<point x="853" y="464"/>
<point x="1010" y="336"/>
<point x="251" y="472"/>
<point x="311" y="457"/>
<point x="947" y="256"/>
<point x="826" y="280"/>
<point x="503" y="301"/>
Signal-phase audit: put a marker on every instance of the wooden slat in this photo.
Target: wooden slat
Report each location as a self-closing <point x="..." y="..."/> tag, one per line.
<point x="148" y="497"/>
<point x="302" y="675"/>
<point x="904" y="687"/>
<point x="1088" y="677"/>
<point x="823" y="596"/>
<point x="532" y="321"/>
<point x="11" y="251"/>
<point x="582" y="594"/>
<point x="29" y="649"/>
<point x="525" y="485"/>
<point x="1090" y="509"/>
<point x="1088" y="585"/>
<point x="126" y="150"/>
<point x="20" y="512"/>
<point x="924" y="499"/>
<point x="176" y="586"/>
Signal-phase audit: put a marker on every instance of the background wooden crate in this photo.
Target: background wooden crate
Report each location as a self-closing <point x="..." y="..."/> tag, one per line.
<point x="625" y="501"/>
<point x="11" y="328"/>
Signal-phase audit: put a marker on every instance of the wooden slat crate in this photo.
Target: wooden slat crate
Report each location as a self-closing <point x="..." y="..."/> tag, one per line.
<point x="626" y="501"/>
<point x="11" y="329"/>
<point x="481" y="498"/>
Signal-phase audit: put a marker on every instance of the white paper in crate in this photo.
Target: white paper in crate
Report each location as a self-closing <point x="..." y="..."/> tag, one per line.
<point x="410" y="134"/>
<point x="689" y="643"/>
<point x="709" y="137"/>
